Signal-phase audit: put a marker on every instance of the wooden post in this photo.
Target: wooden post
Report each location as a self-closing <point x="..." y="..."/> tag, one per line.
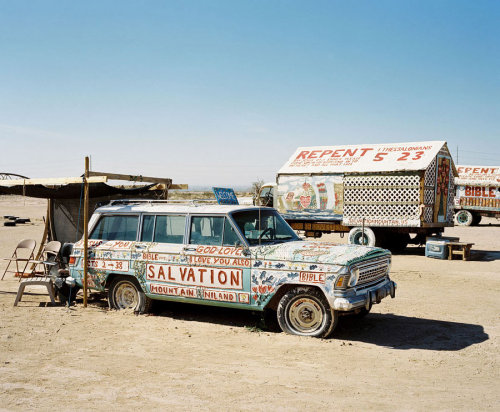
<point x="85" y="231"/>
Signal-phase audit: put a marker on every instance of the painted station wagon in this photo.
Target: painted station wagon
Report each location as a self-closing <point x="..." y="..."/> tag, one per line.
<point x="228" y="255"/>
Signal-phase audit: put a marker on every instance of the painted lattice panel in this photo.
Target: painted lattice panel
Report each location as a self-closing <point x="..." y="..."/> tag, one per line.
<point x="429" y="196"/>
<point x="383" y="200"/>
<point x="451" y="198"/>
<point x="430" y="174"/>
<point x="428" y="214"/>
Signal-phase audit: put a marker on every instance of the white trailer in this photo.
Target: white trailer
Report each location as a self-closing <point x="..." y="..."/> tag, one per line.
<point x="477" y="194"/>
<point x="378" y="193"/>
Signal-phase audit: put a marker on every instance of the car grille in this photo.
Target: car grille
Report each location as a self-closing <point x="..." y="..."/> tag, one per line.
<point x="372" y="270"/>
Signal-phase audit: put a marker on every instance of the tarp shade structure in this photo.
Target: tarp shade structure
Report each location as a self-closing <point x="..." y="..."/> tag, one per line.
<point x="73" y="191"/>
<point x="65" y="217"/>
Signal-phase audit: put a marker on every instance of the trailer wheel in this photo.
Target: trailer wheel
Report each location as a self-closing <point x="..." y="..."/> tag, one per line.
<point x="476" y="218"/>
<point x="356" y="236"/>
<point x="463" y="218"/>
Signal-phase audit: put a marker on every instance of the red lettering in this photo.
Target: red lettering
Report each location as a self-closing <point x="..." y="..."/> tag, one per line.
<point x="468" y="191"/>
<point x="378" y="156"/>
<point x="183" y="272"/>
<point x="325" y="153"/>
<point x="485" y="170"/>
<point x="235" y="279"/>
<point x="201" y="271"/>
<point x="477" y="191"/>
<point x="191" y="275"/>
<point x="302" y="155"/>
<point x="405" y="156"/>
<point x="491" y="192"/>
<point x="468" y="169"/>
<point x="418" y="155"/>
<point x="151" y="275"/>
<point x="313" y="154"/>
<point x="161" y="273"/>
<point x="170" y="273"/>
<point x="222" y="277"/>
<point x="336" y="152"/>
<point x="476" y="170"/>
<point x="350" y="152"/>
<point x="364" y="151"/>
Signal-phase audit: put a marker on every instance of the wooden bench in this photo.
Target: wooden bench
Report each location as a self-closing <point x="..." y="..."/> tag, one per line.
<point x="460" y="249"/>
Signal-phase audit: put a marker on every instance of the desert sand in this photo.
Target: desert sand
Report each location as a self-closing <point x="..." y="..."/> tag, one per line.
<point x="434" y="347"/>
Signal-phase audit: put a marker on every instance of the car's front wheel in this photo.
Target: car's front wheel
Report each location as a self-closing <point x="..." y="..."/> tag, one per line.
<point x="125" y="293"/>
<point x="305" y="311"/>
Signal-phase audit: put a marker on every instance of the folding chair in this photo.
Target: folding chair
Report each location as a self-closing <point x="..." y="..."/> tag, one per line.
<point x="27" y="247"/>
<point x="50" y="254"/>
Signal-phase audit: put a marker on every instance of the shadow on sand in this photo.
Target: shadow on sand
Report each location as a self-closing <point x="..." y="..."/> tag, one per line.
<point x="392" y="331"/>
<point x="403" y="332"/>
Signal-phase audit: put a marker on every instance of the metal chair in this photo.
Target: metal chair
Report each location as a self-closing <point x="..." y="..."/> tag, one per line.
<point x="27" y="248"/>
<point x="50" y="260"/>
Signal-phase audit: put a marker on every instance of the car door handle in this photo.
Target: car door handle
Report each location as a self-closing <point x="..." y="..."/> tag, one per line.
<point x="189" y="249"/>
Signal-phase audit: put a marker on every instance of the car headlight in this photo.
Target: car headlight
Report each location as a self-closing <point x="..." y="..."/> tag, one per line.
<point x="353" y="278"/>
<point x="342" y="278"/>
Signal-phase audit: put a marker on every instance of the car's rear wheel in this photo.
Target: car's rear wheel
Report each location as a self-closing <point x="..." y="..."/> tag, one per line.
<point x="305" y="311"/>
<point x="125" y="293"/>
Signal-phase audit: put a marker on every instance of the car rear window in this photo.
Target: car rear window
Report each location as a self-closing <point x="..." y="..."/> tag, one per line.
<point x="117" y="227"/>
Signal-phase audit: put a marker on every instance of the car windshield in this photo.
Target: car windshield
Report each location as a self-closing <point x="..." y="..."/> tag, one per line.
<point x="263" y="226"/>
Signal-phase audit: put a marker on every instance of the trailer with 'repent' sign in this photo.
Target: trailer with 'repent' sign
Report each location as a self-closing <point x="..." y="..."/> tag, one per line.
<point x="379" y="193"/>
<point x="477" y="194"/>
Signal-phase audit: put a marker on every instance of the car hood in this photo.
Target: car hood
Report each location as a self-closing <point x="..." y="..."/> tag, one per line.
<point x="317" y="252"/>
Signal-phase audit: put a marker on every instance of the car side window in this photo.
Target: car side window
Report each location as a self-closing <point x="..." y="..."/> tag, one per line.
<point x="169" y="229"/>
<point x="118" y="227"/>
<point x="148" y="224"/>
<point x="206" y="230"/>
<point x="231" y="238"/>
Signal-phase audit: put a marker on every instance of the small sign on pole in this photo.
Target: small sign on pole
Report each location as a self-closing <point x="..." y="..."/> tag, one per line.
<point x="225" y="196"/>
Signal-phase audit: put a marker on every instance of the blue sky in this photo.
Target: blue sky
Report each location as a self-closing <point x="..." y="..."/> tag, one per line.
<point x="222" y="92"/>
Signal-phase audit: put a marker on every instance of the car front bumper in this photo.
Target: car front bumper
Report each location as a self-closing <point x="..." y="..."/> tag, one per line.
<point x="364" y="298"/>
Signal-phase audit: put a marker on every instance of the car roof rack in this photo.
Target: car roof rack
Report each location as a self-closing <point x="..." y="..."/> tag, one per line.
<point x="193" y="202"/>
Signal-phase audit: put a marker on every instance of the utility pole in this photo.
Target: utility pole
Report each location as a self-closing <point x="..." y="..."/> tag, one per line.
<point x="85" y="231"/>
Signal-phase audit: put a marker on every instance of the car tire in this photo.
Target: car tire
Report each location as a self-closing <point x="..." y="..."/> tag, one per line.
<point x="304" y="311"/>
<point x="463" y="218"/>
<point x="125" y="293"/>
<point x="356" y="236"/>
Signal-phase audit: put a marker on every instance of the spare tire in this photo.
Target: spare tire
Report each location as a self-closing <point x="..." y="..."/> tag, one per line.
<point x="356" y="236"/>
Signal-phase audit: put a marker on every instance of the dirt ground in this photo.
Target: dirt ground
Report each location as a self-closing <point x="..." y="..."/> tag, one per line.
<point x="434" y="347"/>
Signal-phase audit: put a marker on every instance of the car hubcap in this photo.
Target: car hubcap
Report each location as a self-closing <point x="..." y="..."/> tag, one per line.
<point x="126" y="296"/>
<point x="305" y="315"/>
